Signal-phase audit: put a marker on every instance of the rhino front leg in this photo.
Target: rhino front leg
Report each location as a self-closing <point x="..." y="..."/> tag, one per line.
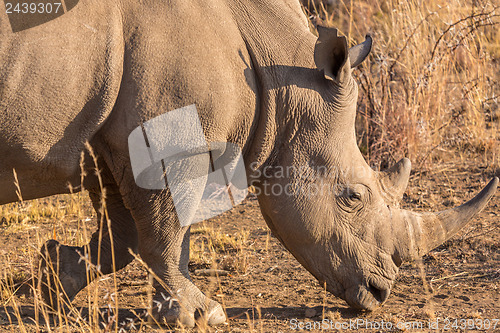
<point x="177" y="298"/>
<point x="68" y="269"/>
<point x="164" y="246"/>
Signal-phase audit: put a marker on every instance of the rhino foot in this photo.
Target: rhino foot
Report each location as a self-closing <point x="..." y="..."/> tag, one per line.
<point x="62" y="274"/>
<point x="172" y="312"/>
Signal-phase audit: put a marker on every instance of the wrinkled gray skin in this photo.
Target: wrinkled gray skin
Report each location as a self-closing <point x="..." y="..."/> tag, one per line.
<point x="259" y="78"/>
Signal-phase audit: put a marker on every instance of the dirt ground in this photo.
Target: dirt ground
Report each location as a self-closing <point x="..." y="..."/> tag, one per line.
<point x="267" y="290"/>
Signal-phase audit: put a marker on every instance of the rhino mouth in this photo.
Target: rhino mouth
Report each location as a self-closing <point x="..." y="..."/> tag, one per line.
<point x="367" y="296"/>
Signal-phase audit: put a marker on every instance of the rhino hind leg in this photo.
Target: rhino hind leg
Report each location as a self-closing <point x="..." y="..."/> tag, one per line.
<point x="65" y="270"/>
<point x="60" y="272"/>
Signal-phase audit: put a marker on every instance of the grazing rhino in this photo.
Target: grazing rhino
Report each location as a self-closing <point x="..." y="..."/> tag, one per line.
<point x="260" y="79"/>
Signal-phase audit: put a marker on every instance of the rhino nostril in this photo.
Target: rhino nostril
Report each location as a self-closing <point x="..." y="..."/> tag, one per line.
<point x="396" y="258"/>
<point x="380" y="295"/>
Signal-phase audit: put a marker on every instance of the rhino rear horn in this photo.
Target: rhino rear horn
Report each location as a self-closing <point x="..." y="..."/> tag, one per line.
<point x="395" y="180"/>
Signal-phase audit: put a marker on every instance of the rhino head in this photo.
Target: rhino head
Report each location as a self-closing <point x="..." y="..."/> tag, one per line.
<point x="335" y="214"/>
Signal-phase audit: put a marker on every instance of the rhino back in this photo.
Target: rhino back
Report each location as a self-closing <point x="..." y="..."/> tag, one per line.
<point x="60" y="81"/>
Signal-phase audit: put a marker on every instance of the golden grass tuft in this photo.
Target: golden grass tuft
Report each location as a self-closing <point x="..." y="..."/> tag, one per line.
<point x="209" y="244"/>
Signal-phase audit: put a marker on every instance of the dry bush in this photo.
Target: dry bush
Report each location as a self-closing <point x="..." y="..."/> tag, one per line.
<point x="430" y="89"/>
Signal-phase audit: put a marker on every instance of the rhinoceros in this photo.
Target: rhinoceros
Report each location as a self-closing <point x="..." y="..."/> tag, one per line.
<point x="260" y="80"/>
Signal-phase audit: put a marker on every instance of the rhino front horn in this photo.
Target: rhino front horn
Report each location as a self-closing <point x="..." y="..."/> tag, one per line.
<point x="425" y="232"/>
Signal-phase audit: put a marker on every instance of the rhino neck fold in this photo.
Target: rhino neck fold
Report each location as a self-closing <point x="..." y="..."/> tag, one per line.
<point x="280" y="45"/>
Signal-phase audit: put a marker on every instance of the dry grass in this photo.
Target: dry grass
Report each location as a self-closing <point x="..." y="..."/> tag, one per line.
<point x="216" y="249"/>
<point x="429" y="91"/>
<point x="101" y="296"/>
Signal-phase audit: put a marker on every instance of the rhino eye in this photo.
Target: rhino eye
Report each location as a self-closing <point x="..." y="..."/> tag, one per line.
<point x="352" y="194"/>
<point x="351" y="201"/>
<point x="355" y="196"/>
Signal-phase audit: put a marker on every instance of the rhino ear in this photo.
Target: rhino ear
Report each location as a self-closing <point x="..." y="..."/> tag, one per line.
<point x="331" y="54"/>
<point x="359" y="52"/>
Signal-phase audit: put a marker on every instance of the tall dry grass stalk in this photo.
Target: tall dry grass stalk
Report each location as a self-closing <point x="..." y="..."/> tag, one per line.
<point x="430" y="90"/>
